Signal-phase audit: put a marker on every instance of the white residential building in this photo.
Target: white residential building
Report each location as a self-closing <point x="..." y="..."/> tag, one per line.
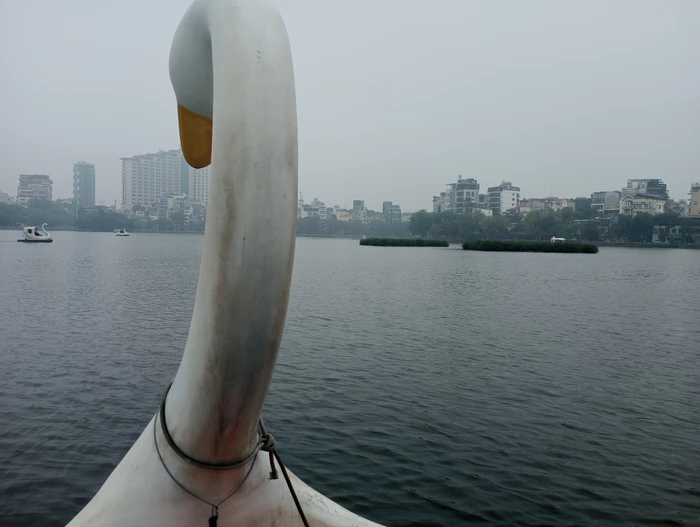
<point x="557" y="204"/>
<point x="503" y="197"/>
<point x="633" y="204"/>
<point x="147" y="177"/>
<point x="459" y="197"/>
<point x="199" y="185"/>
<point x="315" y="208"/>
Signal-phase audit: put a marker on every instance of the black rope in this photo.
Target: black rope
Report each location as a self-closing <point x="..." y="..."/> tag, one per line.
<point x="266" y="443"/>
<point x="271" y="447"/>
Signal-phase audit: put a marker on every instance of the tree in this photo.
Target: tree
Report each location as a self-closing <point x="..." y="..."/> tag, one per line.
<point x="420" y="223"/>
<point x="584" y="211"/>
<point x="496" y="227"/>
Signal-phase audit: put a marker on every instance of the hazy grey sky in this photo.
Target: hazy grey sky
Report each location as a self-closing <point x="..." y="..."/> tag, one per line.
<point x="395" y="98"/>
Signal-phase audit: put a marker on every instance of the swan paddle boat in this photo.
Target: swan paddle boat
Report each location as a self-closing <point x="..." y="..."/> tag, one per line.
<point x="120" y="232"/>
<point x="36" y="235"/>
<point x="206" y="457"/>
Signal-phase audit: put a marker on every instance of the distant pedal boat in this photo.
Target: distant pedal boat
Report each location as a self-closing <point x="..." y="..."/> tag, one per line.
<point x="36" y="235"/>
<point x="120" y="232"/>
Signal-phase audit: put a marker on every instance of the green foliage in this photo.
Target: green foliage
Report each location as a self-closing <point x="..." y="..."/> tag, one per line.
<point x="57" y="215"/>
<point x="583" y="211"/>
<point x="315" y="226"/>
<point x="101" y="220"/>
<point x="420" y="223"/>
<point x="539" y="247"/>
<point x="403" y="242"/>
<point x="639" y="228"/>
<point x="579" y="225"/>
<point x="12" y="215"/>
<point x="38" y="211"/>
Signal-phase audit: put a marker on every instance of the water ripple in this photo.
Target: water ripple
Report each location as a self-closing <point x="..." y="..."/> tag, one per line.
<point x="416" y="387"/>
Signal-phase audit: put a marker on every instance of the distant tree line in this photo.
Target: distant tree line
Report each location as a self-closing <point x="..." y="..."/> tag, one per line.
<point x="99" y="219"/>
<point x="577" y="225"/>
<point x="315" y="226"/>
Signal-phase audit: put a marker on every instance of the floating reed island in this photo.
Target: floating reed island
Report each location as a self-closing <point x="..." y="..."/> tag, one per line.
<point x="530" y="247"/>
<point x="403" y="242"/>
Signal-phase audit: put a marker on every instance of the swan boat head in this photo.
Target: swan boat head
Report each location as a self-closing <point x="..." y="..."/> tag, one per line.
<point x="231" y="71"/>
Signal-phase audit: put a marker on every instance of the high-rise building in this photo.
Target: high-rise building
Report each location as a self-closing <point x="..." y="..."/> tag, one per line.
<point x="83" y="185"/>
<point x="184" y="176"/>
<point x="694" y="202"/>
<point x="199" y="185"/>
<point x="33" y="186"/>
<point x="147" y="177"/>
<point x="647" y="187"/>
<point x="503" y="197"/>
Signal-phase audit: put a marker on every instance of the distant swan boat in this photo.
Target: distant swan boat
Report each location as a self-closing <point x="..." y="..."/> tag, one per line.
<point x="34" y="235"/>
<point x="206" y="455"/>
<point x="120" y="232"/>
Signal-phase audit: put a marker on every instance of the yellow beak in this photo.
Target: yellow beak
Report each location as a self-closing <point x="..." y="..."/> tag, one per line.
<point x="195" y="137"/>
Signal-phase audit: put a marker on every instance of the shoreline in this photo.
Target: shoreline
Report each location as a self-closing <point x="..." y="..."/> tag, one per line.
<point x="627" y="245"/>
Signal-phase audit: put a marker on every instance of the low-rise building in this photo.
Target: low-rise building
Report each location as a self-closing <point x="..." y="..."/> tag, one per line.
<point x="544" y="204"/>
<point x="359" y="211"/>
<point x="391" y="212"/>
<point x="605" y="202"/>
<point x="559" y="204"/>
<point x="633" y="204"/>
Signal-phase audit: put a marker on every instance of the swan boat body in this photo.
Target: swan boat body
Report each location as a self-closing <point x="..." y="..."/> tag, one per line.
<point x="231" y="70"/>
<point x="36" y="235"/>
<point x="121" y="232"/>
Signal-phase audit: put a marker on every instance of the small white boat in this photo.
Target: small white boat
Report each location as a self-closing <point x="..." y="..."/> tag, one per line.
<point x="36" y="235"/>
<point x="558" y="240"/>
<point x="120" y="232"/>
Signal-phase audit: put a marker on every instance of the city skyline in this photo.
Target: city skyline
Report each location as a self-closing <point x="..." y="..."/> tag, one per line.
<point x="559" y="98"/>
<point x="195" y="184"/>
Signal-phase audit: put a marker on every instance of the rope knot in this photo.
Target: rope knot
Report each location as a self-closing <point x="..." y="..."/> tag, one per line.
<point x="268" y="443"/>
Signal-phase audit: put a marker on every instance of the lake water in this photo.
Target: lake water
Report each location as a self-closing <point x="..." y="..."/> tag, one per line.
<point x="415" y="386"/>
